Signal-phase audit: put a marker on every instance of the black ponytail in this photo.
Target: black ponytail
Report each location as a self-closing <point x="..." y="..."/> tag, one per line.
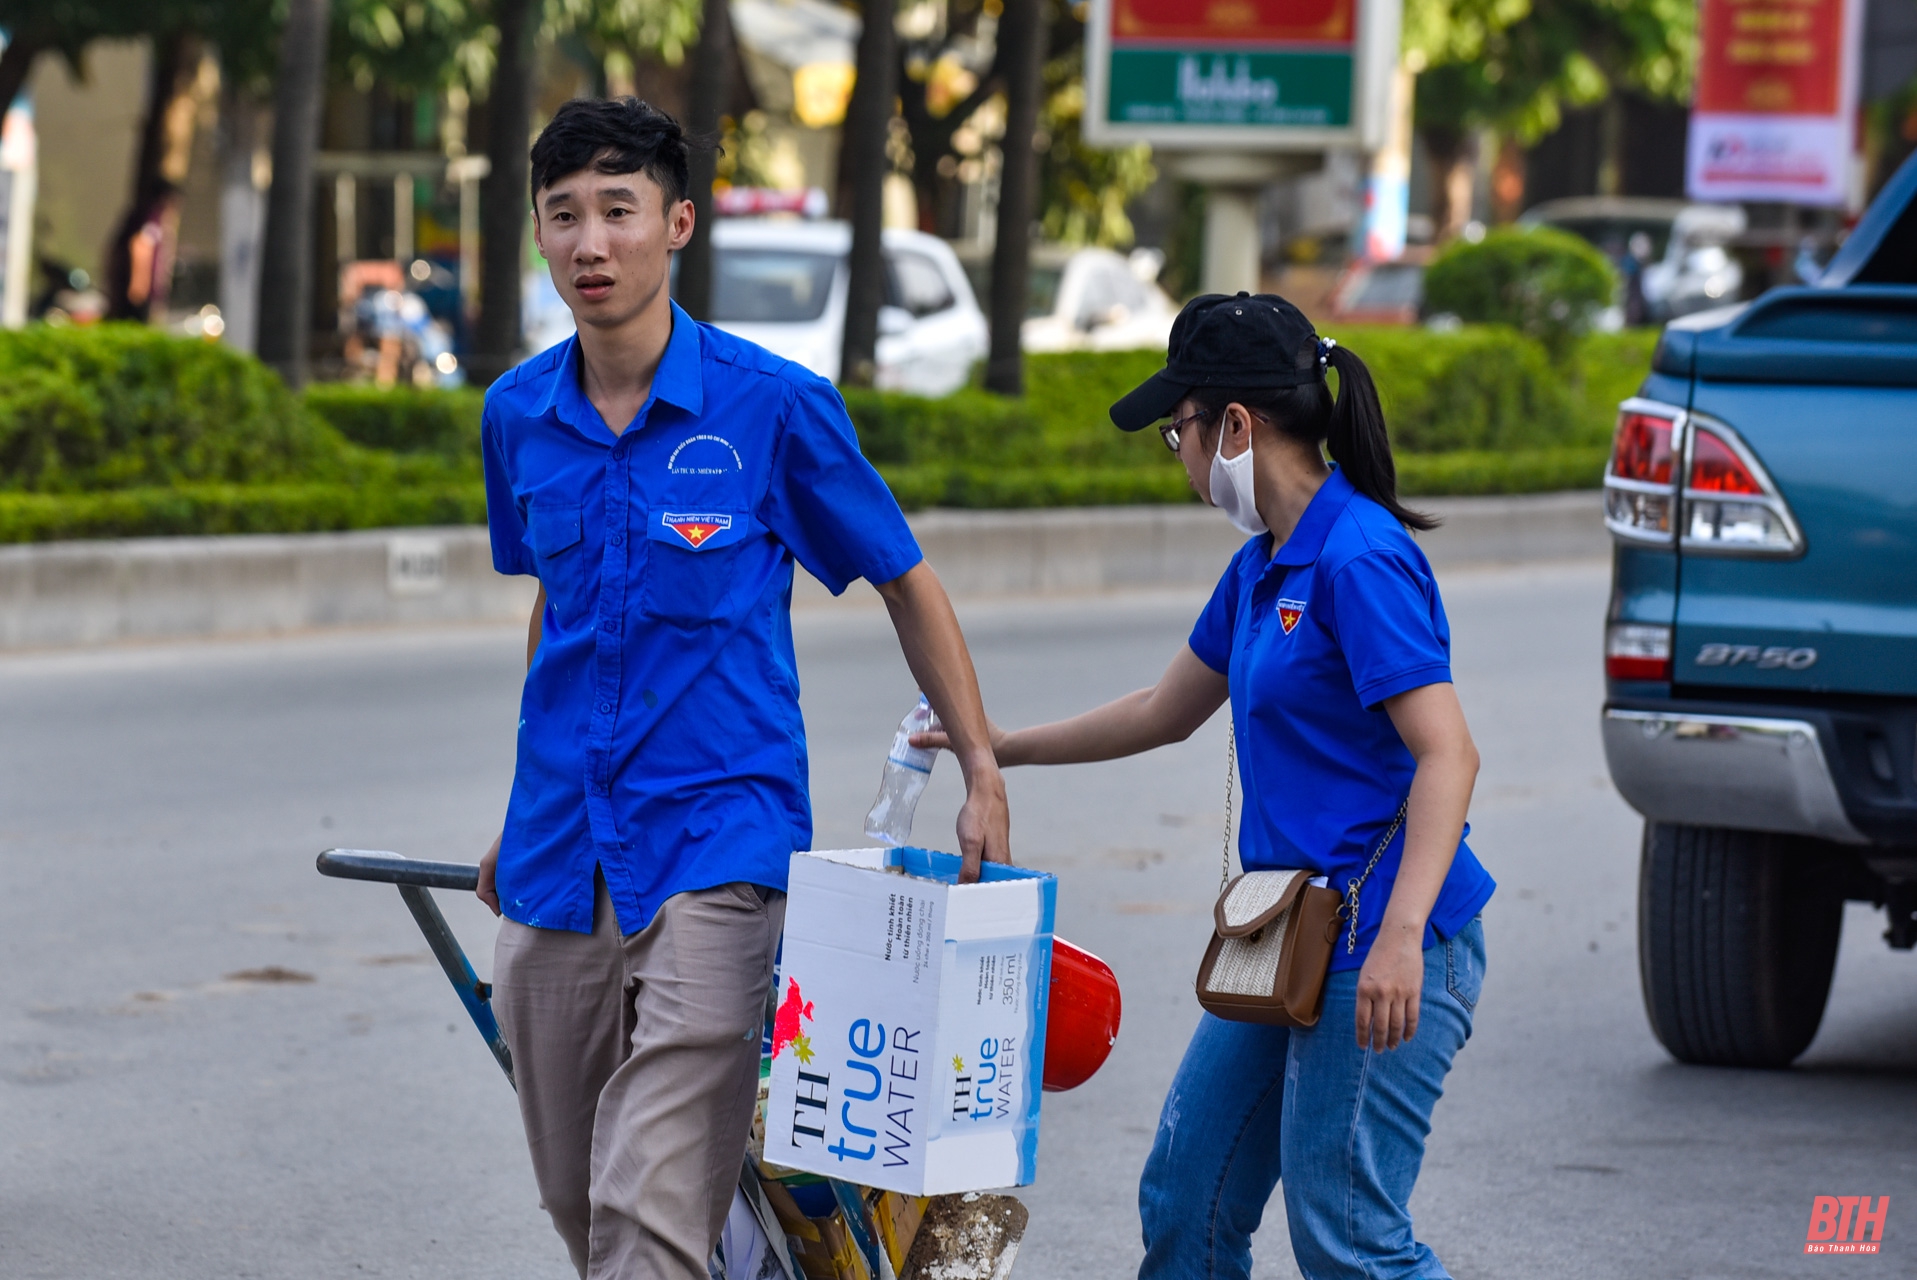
<point x="1357" y="441"/>
<point x="1351" y="426"/>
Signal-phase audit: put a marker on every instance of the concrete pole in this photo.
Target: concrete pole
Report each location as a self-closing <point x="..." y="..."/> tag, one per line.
<point x="21" y="167"/>
<point x="1233" y="181"/>
<point x="403" y="220"/>
<point x="243" y="186"/>
<point x="467" y="172"/>
<point x="1388" y="184"/>
<point x="346" y="218"/>
<point x="1231" y="240"/>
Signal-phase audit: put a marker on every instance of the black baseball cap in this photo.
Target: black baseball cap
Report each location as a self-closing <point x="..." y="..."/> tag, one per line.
<point x="1251" y="341"/>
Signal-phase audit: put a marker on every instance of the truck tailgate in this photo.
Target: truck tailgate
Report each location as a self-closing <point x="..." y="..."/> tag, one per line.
<point x="1845" y="459"/>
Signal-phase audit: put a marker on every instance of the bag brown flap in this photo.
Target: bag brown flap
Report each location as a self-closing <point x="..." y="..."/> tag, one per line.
<point x="1263" y="912"/>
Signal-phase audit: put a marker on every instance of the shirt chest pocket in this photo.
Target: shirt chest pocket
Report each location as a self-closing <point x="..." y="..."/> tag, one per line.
<point x="553" y="530"/>
<point x="691" y="562"/>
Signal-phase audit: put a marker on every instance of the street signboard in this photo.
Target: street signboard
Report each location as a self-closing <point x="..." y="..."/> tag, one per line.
<point x="1776" y="100"/>
<point x="1239" y="75"/>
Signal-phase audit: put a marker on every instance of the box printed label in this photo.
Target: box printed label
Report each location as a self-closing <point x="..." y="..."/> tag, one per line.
<point x="902" y="1058"/>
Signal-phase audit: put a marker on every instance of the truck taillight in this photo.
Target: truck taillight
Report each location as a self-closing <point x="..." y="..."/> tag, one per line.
<point x="1634" y="651"/>
<point x="1715" y="468"/>
<point x="1640" y="499"/>
<point x="1730" y="504"/>
<point x="1727" y="505"/>
<point x="1642" y="449"/>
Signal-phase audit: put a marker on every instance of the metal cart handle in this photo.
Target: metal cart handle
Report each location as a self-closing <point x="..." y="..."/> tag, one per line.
<point x="414" y="880"/>
<point x="390" y="868"/>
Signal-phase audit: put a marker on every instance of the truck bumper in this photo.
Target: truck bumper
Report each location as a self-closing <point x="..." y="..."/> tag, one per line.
<point x="1757" y="773"/>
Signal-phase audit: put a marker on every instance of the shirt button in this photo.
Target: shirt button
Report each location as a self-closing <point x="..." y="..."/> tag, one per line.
<point x="617" y="539"/>
<point x="605" y="708"/>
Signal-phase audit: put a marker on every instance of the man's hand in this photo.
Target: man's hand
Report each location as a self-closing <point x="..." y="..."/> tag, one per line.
<point x="934" y="649"/>
<point x="985" y="821"/>
<point x="487" y="865"/>
<point x="1389" y="986"/>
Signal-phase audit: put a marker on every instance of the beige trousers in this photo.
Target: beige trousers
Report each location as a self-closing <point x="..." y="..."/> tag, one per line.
<point x="637" y="1061"/>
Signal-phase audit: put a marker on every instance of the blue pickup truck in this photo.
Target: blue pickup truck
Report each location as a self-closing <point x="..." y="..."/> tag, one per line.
<point x="1761" y="642"/>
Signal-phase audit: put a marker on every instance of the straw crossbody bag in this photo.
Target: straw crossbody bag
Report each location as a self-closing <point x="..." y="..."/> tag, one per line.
<point x="1272" y="935"/>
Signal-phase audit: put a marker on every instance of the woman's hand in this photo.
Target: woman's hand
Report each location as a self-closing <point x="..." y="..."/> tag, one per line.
<point x="1170" y="711"/>
<point x="937" y="740"/>
<point x="1389" y="986"/>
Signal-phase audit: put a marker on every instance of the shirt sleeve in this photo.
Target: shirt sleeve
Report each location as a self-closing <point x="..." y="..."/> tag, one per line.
<point x="1211" y="634"/>
<point x="826" y="503"/>
<point x="1391" y="626"/>
<point x="505" y="522"/>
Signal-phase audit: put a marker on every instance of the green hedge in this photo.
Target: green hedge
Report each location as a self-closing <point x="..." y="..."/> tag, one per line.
<point x="1467" y="471"/>
<point x="401" y="419"/>
<point x="1540" y="280"/>
<point x="236" y="508"/>
<point x="117" y="406"/>
<point x="119" y="431"/>
<point x="992" y="487"/>
<point x="1474" y="471"/>
<point x="1484" y="389"/>
<point x="319" y="508"/>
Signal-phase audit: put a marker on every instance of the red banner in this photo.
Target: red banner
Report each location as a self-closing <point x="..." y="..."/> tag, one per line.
<point x="1771" y="57"/>
<point x="1230" y="22"/>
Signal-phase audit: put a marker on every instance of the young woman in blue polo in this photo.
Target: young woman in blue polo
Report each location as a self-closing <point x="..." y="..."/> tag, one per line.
<point x="1327" y="635"/>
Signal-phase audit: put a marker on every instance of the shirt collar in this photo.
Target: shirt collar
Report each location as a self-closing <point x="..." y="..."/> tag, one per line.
<point x="1307" y="540"/>
<point x="678" y="380"/>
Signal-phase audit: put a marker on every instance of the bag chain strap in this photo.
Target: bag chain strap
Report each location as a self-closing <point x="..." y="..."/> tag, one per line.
<point x="1350" y="907"/>
<point x="1231" y="771"/>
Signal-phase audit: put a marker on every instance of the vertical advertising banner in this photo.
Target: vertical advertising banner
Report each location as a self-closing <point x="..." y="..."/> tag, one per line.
<point x="1776" y="100"/>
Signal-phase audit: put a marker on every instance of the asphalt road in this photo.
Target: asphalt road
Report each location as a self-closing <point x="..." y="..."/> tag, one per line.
<point x="169" y="1109"/>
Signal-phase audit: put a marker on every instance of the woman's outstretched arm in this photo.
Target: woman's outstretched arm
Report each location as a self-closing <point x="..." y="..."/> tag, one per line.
<point x="1184" y="698"/>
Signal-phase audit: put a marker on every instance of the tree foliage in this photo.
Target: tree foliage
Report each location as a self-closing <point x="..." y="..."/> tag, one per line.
<point x="1084" y="189"/>
<point x="1515" y="65"/>
<point x="619" y="32"/>
<point x="421" y="45"/>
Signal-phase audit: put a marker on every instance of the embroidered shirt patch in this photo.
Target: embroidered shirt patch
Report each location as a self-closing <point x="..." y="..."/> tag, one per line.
<point x="695" y="529"/>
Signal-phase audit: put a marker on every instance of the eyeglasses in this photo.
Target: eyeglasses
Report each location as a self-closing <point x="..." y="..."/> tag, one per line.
<point x="1169" y="431"/>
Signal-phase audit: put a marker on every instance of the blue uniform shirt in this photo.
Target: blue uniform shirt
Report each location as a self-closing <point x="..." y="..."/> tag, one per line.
<point x="1313" y="640"/>
<point x="659" y="731"/>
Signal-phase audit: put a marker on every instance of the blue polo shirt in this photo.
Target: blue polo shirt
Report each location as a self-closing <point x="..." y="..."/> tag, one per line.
<point x="1313" y="640"/>
<point x="659" y="732"/>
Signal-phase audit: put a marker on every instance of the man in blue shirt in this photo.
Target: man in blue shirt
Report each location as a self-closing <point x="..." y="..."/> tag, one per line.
<point x="660" y="478"/>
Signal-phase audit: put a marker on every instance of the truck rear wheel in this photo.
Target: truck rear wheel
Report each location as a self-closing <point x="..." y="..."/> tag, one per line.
<point x="1737" y="938"/>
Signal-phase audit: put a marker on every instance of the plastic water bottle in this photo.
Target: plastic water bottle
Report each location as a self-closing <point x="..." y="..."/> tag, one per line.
<point x="907" y="769"/>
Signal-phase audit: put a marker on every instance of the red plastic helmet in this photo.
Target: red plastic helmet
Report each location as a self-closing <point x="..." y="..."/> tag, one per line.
<point x="1081" y="1021"/>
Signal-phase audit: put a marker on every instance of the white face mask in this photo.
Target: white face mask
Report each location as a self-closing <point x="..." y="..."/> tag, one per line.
<point x="1231" y="487"/>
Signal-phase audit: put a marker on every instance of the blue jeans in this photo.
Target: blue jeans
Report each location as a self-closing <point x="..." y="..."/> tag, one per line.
<point x="1345" y="1127"/>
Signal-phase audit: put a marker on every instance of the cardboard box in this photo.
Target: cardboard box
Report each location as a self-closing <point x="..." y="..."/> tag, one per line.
<point x="909" y="1042"/>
